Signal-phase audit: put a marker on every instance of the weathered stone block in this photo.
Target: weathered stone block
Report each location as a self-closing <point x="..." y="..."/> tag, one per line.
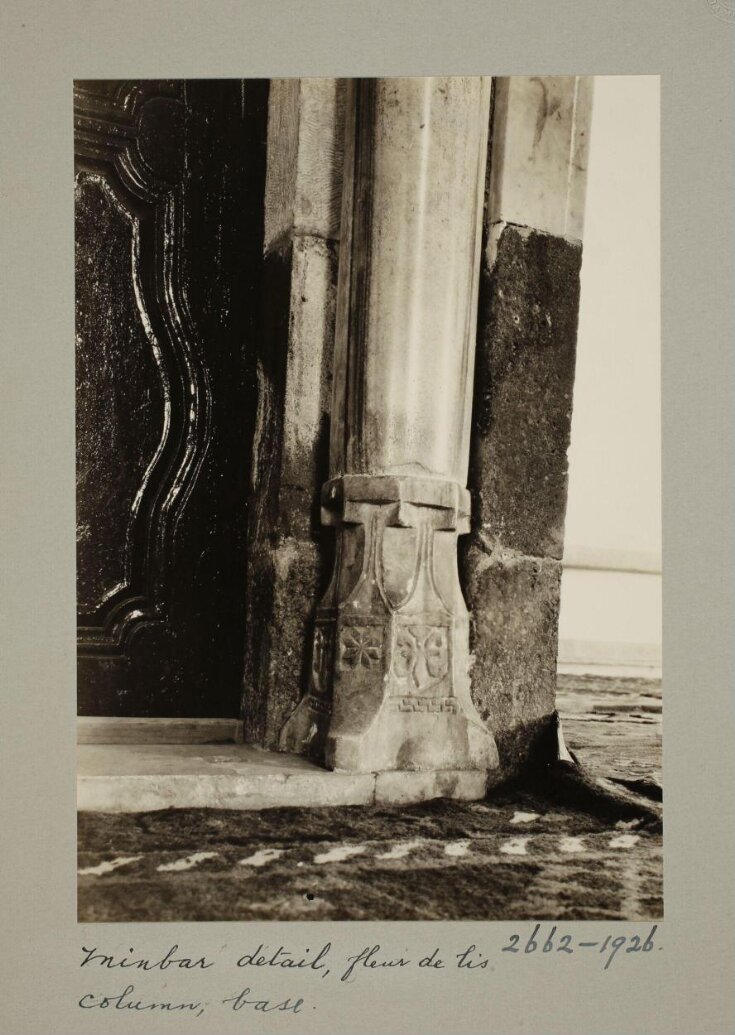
<point x="303" y="191"/>
<point x="514" y="603"/>
<point x="290" y="451"/>
<point x="283" y="584"/>
<point x="540" y="145"/>
<point x="294" y="370"/>
<point x="308" y="387"/>
<point x="290" y="462"/>
<point x="524" y="376"/>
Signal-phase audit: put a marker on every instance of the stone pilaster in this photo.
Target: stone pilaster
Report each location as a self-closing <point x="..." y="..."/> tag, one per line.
<point x="389" y="684"/>
<point x="294" y="365"/>
<point x="527" y="332"/>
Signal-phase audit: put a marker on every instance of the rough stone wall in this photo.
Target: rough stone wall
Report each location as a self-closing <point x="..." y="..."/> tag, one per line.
<point x="290" y="457"/>
<point x="518" y="478"/>
<point x="524" y="377"/>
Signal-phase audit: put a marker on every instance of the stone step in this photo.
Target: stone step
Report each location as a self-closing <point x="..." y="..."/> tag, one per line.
<point x="144" y="777"/>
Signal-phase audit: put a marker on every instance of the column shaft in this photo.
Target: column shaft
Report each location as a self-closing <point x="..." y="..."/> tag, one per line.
<point x="405" y="337"/>
<point x="390" y="666"/>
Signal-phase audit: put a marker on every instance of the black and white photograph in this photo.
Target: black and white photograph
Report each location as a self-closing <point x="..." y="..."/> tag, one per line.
<point x="368" y="499"/>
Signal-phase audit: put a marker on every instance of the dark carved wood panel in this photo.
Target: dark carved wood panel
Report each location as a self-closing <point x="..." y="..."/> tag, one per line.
<point x="120" y="395"/>
<point x="169" y="231"/>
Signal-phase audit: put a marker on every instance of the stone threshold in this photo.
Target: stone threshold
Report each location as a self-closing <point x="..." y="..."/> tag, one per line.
<point x="139" y="766"/>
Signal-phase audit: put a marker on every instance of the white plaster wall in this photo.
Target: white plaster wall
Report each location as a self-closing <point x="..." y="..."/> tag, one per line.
<point x="614" y="507"/>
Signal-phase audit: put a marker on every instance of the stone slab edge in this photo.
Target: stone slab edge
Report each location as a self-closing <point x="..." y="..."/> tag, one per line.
<point x="274" y="790"/>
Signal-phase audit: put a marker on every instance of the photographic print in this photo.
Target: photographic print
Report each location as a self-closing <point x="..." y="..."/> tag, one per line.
<point x="368" y="499"/>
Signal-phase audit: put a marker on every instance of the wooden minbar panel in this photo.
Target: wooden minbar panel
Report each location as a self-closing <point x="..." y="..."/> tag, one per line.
<point x="169" y="182"/>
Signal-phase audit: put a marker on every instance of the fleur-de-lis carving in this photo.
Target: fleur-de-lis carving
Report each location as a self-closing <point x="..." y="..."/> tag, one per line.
<point x="421" y="654"/>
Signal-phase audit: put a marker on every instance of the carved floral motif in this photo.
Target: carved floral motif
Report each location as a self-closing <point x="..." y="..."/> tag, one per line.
<point x="361" y="647"/>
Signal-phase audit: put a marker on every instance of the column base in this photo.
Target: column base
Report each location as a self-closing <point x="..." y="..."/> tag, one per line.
<point x="305" y="731"/>
<point x="410" y="733"/>
<point x="389" y="687"/>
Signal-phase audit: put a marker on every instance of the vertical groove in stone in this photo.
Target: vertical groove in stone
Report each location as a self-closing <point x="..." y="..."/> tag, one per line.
<point x="360" y="266"/>
<point x="340" y="373"/>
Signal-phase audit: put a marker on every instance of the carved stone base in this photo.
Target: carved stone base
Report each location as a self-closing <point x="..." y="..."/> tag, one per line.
<point x="305" y="732"/>
<point x="419" y="734"/>
<point x="389" y="685"/>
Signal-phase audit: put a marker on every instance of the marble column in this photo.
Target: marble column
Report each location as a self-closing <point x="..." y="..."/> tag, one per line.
<point x="390" y="685"/>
